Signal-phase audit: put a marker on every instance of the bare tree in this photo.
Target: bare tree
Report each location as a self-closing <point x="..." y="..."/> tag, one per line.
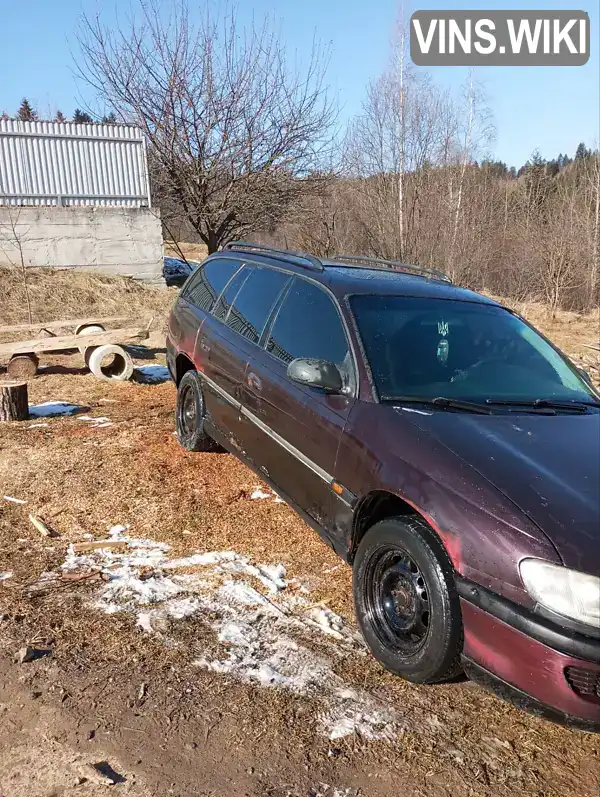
<point x="12" y="239"/>
<point x="235" y="134"/>
<point x="592" y="164"/>
<point x="393" y="145"/>
<point x="474" y="132"/>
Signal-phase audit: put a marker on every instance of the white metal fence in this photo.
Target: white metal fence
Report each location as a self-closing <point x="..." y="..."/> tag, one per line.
<point x="63" y="163"/>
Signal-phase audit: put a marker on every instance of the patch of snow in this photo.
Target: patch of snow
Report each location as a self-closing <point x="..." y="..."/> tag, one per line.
<point x="349" y="716"/>
<point x="36" y="425"/>
<point x="212" y="558"/>
<point x="260" y="618"/>
<point x="153" y="373"/>
<point x="5" y="576"/>
<point x="49" y="408"/>
<point x="96" y="423"/>
<point x="240" y="592"/>
<point x="327" y="621"/>
<point x="271" y="577"/>
<point x="144" y="620"/>
<point x="259" y="494"/>
<point x="14" y="500"/>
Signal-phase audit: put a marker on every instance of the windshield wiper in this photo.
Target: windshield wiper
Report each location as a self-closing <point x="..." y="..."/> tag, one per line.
<point x="575" y="406"/>
<point x="441" y="401"/>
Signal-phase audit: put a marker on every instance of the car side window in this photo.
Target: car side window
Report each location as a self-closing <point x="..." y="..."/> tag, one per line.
<point x="254" y="301"/>
<point x="223" y="306"/>
<point x="308" y="324"/>
<point x="205" y="286"/>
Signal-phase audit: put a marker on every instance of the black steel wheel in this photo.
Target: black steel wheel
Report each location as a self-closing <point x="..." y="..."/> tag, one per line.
<point x="189" y="415"/>
<point x="406" y="600"/>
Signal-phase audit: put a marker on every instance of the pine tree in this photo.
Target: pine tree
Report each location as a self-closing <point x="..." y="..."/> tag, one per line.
<point x="26" y="113"/>
<point x="582" y="152"/>
<point x="110" y="119"/>
<point x="60" y="117"/>
<point x="81" y="117"/>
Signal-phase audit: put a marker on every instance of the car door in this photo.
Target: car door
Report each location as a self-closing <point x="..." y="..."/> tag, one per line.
<point x="293" y="431"/>
<point x="222" y="361"/>
<point x="233" y="334"/>
<point x="196" y="300"/>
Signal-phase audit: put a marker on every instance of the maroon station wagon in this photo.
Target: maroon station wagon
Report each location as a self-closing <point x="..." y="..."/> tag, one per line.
<point x="442" y="446"/>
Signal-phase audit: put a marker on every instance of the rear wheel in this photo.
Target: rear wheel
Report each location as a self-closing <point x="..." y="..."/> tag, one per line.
<point x="189" y="415"/>
<point x="406" y="600"/>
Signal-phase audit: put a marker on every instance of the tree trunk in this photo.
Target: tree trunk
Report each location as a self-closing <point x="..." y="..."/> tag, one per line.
<point x="23" y="366"/>
<point x="14" y="403"/>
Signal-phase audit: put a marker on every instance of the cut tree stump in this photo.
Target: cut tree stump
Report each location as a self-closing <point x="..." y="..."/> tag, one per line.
<point x="14" y="402"/>
<point x="23" y="366"/>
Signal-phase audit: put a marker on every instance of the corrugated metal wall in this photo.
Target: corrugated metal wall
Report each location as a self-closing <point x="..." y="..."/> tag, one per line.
<point x="63" y="163"/>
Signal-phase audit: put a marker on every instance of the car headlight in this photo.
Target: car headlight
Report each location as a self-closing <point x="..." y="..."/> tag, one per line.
<point x="567" y="592"/>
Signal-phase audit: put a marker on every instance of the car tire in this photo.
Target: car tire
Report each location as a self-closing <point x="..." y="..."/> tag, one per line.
<point x="189" y="414"/>
<point x="406" y="600"/>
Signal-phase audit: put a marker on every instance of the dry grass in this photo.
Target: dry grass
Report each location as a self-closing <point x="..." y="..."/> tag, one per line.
<point x="189" y="251"/>
<point x="59" y="293"/>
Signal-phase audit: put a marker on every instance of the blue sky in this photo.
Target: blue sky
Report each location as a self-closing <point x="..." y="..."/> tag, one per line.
<point x="551" y="108"/>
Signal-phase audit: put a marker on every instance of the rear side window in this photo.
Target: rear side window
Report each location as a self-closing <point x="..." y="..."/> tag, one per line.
<point x="205" y="286"/>
<point x="309" y="325"/>
<point x="223" y="306"/>
<point x="254" y="302"/>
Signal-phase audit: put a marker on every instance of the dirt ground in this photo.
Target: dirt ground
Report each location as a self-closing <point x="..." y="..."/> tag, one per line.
<point x="122" y="689"/>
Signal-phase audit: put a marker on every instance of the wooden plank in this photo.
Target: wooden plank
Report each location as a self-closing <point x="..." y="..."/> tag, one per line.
<point x="71" y="322"/>
<point x="62" y="342"/>
<point x="95" y="545"/>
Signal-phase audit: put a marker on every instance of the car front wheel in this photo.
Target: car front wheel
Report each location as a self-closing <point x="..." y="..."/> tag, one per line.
<point x="406" y="601"/>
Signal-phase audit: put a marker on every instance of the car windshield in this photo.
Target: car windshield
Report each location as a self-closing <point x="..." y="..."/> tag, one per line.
<point x="425" y="348"/>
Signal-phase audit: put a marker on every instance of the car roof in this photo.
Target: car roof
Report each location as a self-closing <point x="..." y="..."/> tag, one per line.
<point x="363" y="276"/>
<point x="366" y="280"/>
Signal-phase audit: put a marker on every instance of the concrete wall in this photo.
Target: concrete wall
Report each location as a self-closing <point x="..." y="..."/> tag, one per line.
<point x="112" y="240"/>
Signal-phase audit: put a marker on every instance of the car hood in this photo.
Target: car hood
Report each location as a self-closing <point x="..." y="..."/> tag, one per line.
<point x="548" y="465"/>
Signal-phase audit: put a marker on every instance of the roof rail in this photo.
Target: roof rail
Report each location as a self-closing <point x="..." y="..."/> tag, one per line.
<point x="355" y="261"/>
<point x="310" y="262"/>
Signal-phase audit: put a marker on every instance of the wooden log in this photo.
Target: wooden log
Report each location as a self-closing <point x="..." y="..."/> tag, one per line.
<point x="62" y="342"/>
<point x="14" y="402"/>
<point x="23" y="366"/>
<point x="75" y="322"/>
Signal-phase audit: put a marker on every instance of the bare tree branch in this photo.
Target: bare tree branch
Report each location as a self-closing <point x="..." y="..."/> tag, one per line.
<point x="235" y="134"/>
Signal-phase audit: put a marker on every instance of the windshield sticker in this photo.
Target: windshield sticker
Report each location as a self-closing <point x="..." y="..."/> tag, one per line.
<point x="443" y="350"/>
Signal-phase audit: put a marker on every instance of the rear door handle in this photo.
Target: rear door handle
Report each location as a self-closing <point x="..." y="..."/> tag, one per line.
<point x="254" y="382"/>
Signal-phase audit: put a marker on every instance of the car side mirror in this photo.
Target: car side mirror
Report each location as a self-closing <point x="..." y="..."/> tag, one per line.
<point x="585" y="375"/>
<point x="316" y="373"/>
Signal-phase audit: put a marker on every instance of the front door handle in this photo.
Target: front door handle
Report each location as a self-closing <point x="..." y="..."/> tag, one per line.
<point x="254" y="382"/>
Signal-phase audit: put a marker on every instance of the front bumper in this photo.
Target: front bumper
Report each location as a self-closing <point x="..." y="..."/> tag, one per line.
<point x="530" y="660"/>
